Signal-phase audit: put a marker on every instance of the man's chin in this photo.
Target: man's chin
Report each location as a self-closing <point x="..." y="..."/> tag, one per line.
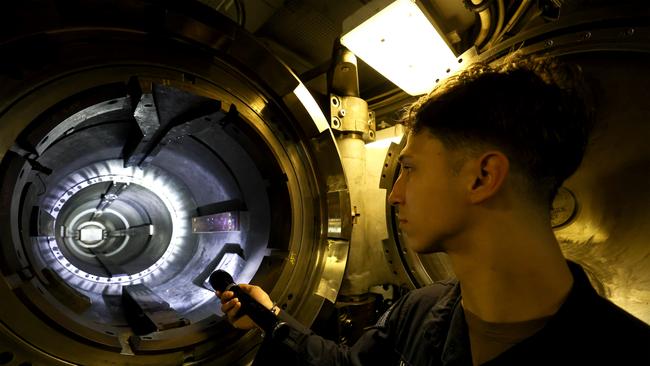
<point x="423" y="248"/>
<point x="419" y="250"/>
<point x="420" y="246"/>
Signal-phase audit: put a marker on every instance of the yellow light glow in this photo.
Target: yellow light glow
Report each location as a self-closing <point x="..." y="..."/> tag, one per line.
<point x="400" y="42"/>
<point x="384" y="143"/>
<point x="387" y="136"/>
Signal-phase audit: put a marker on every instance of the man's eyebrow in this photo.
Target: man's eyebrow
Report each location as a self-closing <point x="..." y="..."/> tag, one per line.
<point x="403" y="157"/>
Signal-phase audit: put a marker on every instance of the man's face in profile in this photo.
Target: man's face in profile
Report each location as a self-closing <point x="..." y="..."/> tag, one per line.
<point x="428" y="194"/>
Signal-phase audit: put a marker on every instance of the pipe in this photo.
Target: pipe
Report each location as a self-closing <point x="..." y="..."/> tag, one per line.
<point x="500" y="20"/>
<point x="514" y="19"/>
<point x="485" y="18"/>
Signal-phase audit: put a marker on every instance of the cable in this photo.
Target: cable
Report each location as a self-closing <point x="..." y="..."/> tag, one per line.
<point x="241" y="13"/>
<point x="514" y="19"/>
<point x="500" y="20"/>
<point x="382" y="96"/>
<point x="239" y="9"/>
<point x="485" y="20"/>
<point x="477" y="8"/>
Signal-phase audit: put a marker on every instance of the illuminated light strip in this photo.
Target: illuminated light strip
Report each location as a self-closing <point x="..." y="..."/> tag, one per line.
<point x="151" y="180"/>
<point x="312" y="107"/>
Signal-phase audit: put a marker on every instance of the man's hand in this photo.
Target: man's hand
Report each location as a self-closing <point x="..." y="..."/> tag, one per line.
<point x="230" y="305"/>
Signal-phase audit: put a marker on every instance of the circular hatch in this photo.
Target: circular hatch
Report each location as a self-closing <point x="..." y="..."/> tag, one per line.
<point x="143" y="147"/>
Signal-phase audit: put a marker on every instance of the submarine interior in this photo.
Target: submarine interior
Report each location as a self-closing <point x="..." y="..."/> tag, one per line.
<point x="146" y="144"/>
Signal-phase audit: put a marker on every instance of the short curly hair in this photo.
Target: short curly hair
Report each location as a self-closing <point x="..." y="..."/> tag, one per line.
<point x="534" y="110"/>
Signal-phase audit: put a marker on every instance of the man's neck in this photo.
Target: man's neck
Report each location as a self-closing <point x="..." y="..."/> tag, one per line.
<point x="512" y="272"/>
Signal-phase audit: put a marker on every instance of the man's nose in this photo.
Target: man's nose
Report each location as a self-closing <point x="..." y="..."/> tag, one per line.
<point x="396" y="196"/>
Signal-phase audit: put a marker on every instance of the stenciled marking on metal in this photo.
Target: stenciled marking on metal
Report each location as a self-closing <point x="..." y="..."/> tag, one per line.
<point x="220" y="222"/>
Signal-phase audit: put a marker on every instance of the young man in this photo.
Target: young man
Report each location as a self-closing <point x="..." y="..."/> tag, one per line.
<point x="485" y="155"/>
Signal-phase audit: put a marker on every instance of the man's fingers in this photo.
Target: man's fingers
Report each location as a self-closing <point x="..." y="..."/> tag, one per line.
<point x="234" y="309"/>
<point x="228" y="304"/>
<point x="231" y="307"/>
<point x="226" y="296"/>
<point x="246" y="287"/>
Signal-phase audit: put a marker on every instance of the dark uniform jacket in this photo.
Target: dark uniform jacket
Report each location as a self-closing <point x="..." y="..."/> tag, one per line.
<point x="427" y="327"/>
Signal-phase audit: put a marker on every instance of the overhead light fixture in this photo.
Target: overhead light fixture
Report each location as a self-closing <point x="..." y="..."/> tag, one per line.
<point x="396" y="38"/>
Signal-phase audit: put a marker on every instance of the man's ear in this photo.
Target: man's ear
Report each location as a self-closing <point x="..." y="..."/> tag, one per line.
<point x="489" y="171"/>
